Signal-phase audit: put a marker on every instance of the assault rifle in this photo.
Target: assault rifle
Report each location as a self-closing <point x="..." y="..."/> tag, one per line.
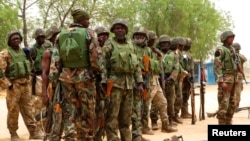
<point x="174" y="138"/>
<point x="239" y="67"/>
<point x="202" y="91"/>
<point x="237" y="110"/>
<point x="162" y="78"/>
<point x="191" y="81"/>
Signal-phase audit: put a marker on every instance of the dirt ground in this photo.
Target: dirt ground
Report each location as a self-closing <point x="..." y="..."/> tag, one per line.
<point x="189" y="132"/>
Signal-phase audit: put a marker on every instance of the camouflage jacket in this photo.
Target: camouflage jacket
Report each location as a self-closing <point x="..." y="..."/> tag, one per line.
<point x="5" y="60"/>
<point x="121" y="80"/>
<point x="224" y="67"/>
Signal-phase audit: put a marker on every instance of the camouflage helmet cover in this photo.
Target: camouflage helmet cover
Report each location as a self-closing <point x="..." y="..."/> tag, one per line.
<point x="225" y="35"/>
<point x="51" y="31"/>
<point x="119" y="21"/>
<point x="182" y="41"/>
<point x="13" y="32"/>
<point x="140" y="30"/>
<point x="188" y="42"/>
<point x="101" y="30"/>
<point x="236" y="46"/>
<point x="175" y="41"/>
<point x="151" y="35"/>
<point x="164" y="38"/>
<point x="38" y="32"/>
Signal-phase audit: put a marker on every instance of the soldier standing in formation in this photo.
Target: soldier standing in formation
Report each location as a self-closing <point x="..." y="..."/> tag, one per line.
<point x="119" y="77"/>
<point x="239" y="83"/>
<point x="226" y="75"/>
<point x="15" y="70"/>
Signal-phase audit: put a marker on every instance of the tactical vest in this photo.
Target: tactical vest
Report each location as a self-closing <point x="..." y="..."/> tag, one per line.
<point x="168" y="61"/>
<point x="19" y="66"/>
<point x="38" y="60"/>
<point x="74" y="51"/>
<point x="155" y="64"/>
<point x="227" y="60"/>
<point x="123" y="59"/>
<point x="140" y="52"/>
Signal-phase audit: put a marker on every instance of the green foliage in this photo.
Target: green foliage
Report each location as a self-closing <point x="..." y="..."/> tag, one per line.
<point x="9" y="21"/>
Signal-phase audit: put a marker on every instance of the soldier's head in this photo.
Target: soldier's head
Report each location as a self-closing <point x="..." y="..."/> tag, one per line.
<point x="14" y="38"/>
<point x="164" y="43"/>
<point x="119" y="28"/>
<point x="188" y="44"/>
<point x="237" y="47"/>
<point x="227" y="37"/>
<point x="39" y="35"/>
<point x="102" y="34"/>
<point x="140" y="36"/>
<point x="151" y="38"/>
<point x="182" y="43"/>
<point x="175" y="41"/>
<point x="80" y="16"/>
<point x="51" y="33"/>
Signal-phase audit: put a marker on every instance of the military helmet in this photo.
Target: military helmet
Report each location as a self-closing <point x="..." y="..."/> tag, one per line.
<point x="140" y="30"/>
<point x="13" y="32"/>
<point x="38" y="32"/>
<point x="164" y="38"/>
<point x="236" y="46"/>
<point x="175" y="41"/>
<point x="119" y="21"/>
<point x="225" y="35"/>
<point x="51" y="31"/>
<point x="182" y="41"/>
<point x="151" y="35"/>
<point x="188" y="42"/>
<point x="101" y="30"/>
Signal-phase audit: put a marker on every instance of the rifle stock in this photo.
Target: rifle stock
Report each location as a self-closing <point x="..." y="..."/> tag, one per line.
<point x="163" y="78"/>
<point x="192" y="95"/>
<point x="202" y="91"/>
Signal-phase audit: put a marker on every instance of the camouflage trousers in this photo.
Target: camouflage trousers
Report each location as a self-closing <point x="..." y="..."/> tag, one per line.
<point x="227" y="103"/>
<point x="178" y="99"/>
<point x="186" y="89"/>
<point x="170" y="92"/>
<point x="138" y="109"/>
<point x="78" y="109"/>
<point x="37" y="102"/>
<point x="238" y="90"/>
<point x="100" y="118"/>
<point x="18" y="99"/>
<point x="119" y="115"/>
<point x="159" y="101"/>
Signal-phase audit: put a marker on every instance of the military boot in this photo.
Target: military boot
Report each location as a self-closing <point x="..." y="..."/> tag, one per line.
<point x="154" y="125"/>
<point x="221" y="121"/>
<point x="177" y="120"/>
<point x="184" y="112"/>
<point x="35" y="133"/>
<point x="229" y="121"/>
<point x="140" y="138"/>
<point x="172" y="122"/>
<point x="147" y="130"/>
<point x="167" y="128"/>
<point x="14" y="136"/>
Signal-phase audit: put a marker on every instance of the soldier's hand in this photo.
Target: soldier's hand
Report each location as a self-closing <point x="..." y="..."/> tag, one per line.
<point x="140" y="88"/>
<point x="224" y="86"/>
<point x="45" y="99"/>
<point x="169" y="81"/>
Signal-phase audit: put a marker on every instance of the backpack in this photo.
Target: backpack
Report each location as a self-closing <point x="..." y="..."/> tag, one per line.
<point x="73" y="49"/>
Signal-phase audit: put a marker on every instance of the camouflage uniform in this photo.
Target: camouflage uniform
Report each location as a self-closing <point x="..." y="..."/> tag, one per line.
<point x="225" y="71"/>
<point x="163" y="45"/>
<point x="186" y="89"/>
<point x="101" y="101"/>
<point x="239" y="82"/>
<point x="179" y="82"/>
<point x="141" y="102"/>
<point x="171" y="68"/>
<point x="77" y="84"/>
<point x="121" y="96"/>
<point x="18" y="97"/>
<point x="36" y="53"/>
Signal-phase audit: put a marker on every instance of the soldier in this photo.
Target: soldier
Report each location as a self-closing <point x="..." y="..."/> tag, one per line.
<point x="141" y="101"/>
<point x="120" y="75"/>
<point x="240" y="75"/>
<point x="76" y="79"/>
<point x="156" y="95"/>
<point x="36" y="53"/>
<point x="186" y="89"/>
<point x="163" y="46"/>
<point x="225" y="72"/>
<point x="172" y="68"/>
<point x="181" y="76"/>
<point x="101" y="105"/>
<point x="49" y="86"/>
<point x="15" y="71"/>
